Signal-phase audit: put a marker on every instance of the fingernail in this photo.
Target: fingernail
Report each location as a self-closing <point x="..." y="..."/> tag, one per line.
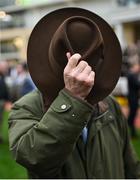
<point x="77" y="55"/>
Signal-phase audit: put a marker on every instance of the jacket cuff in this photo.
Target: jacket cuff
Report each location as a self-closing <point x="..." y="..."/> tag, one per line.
<point x="78" y="110"/>
<point x="67" y="116"/>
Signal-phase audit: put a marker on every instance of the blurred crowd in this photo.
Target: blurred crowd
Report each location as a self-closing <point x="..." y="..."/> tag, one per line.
<point x="131" y="55"/>
<point x="15" y="82"/>
<point x="131" y="72"/>
<point x="16" y="78"/>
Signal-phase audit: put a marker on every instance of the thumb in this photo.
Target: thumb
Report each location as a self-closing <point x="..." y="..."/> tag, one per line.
<point x="68" y="54"/>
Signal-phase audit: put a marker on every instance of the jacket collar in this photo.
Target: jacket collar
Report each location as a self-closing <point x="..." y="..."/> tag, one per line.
<point x="103" y="106"/>
<point x="100" y="120"/>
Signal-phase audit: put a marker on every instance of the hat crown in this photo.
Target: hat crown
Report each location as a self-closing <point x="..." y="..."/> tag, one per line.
<point x="76" y="34"/>
<point x="82" y="33"/>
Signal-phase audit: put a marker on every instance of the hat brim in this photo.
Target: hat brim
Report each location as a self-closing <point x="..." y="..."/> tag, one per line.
<point x="38" y="46"/>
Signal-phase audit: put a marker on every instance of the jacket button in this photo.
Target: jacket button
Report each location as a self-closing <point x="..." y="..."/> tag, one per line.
<point x="63" y="106"/>
<point x="110" y="116"/>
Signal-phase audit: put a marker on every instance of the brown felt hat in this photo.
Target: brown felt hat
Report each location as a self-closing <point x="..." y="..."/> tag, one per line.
<point x="73" y="30"/>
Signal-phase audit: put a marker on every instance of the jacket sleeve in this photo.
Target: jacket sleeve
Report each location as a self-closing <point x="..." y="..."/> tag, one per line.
<point x="131" y="161"/>
<point x="42" y="144"/>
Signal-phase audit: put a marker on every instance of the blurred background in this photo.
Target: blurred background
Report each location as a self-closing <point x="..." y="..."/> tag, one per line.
<point x="17" y="19"/>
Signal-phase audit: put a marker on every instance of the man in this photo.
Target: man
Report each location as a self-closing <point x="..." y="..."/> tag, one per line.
<point x="68" y="128"/>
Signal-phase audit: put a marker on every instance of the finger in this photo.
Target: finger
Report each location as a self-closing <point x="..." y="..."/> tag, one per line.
<point x="68" y="54"/>
<point x="91" y="77"/>
<point x="87" y="70"/>
<point x="80" y="67"/>
<point x="73" y="60"/>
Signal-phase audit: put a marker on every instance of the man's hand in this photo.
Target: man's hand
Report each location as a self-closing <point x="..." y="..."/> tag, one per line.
<point x="78" y="76"/>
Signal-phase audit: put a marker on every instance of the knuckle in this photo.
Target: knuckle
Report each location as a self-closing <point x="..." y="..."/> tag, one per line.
<point x="89" y="68"/>
<point x="91" y="81"/>
<point x="84" y="63"/>
<point x="72" y="76"/>
<point x="79" y="78"/>
<point x="76" y="56"/>
<point x="82" y="79"/>
<point x="88" y="83"/>
<point x="93" y="73"/>
<point x="66" y="72"/>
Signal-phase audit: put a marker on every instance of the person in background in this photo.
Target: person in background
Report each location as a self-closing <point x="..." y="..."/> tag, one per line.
<point x="4" y="94"/>
<point x="22" y="83"/>
<point x="27" y="85"/>
<point x="18" y="79"/>
<point x="133" y="93"/>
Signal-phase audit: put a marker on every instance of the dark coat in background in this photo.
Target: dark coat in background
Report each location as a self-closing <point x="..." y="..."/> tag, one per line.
<point x="133" y="100"/>
<point x="4" y="95"/>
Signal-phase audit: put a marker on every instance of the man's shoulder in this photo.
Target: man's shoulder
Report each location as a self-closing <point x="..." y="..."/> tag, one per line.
<point x="112" y="102"/>
<point x="116" y="111"/>
<point x="32" y="101"/>
<point x="29" y="98"/>
<point x="114" y="107"/>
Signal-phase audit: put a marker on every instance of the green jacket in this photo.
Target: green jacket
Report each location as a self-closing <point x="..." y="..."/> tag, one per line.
<point x="49" y="144"/>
